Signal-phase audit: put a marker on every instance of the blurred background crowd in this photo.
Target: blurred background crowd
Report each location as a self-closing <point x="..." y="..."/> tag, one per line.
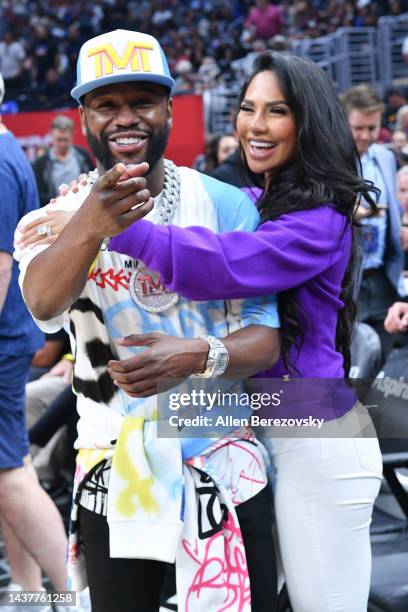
<point x="40" y="40"/>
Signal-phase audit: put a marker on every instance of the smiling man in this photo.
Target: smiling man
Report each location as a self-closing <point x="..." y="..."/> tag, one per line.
<point x="145" y="143"/>
<point x="136" y="496"/>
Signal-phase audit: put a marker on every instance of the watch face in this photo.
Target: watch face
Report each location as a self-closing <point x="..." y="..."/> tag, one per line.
<point x="211" y="362"/>
<point x="221" y="362"/>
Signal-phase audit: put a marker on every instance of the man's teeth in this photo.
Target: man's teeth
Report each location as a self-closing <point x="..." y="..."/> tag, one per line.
<point x="262" y="145"/>
<point x="127" y="141"/>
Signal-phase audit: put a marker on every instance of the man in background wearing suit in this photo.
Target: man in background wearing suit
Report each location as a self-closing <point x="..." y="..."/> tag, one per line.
<point x="383" y="255"/>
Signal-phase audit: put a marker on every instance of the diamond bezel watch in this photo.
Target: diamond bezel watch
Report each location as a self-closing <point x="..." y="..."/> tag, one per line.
<point x="217" y="360"/>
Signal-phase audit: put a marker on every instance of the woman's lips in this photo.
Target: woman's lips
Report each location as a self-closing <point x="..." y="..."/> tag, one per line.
<point x="261" y="151"/>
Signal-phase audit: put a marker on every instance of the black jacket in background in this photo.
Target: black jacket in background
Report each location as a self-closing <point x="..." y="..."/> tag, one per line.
<point x="43" y="172"/>
<point x="233" y="172"/>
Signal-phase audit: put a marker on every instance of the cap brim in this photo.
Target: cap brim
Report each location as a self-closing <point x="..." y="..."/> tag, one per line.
<point x="80" y="90"/>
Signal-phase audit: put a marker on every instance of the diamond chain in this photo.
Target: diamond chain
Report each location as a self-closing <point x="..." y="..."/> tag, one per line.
<point x="170" y="198"/>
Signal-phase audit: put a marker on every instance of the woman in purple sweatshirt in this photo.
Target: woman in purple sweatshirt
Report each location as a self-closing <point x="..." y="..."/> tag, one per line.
<point x="293" y="130"/>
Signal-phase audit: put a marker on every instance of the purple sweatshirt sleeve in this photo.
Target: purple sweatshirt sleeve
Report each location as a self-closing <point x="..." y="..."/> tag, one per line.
<point x="201" y="265"/>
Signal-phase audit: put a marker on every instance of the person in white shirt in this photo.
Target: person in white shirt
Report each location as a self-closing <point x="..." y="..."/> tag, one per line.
<point x="12" y="55"/>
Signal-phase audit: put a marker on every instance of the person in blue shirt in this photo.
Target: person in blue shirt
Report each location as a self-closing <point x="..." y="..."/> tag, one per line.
<point x="32" y="527"/>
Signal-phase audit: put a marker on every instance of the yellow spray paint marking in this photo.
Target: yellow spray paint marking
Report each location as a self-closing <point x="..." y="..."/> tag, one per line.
<point x="93" y="265"/>
<point x="87" y="458"/>
<point x="138" y="490"/>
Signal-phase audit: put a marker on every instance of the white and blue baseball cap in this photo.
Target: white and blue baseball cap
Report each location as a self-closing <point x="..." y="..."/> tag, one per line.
<point x="118" y="57"/>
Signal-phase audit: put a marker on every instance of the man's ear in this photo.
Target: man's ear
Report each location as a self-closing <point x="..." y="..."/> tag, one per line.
<point x="81" y="111"/>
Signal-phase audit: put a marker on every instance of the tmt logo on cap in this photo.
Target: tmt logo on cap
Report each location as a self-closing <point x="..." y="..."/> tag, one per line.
<point x="120" y="56"/>
<point x="135" y="57"/>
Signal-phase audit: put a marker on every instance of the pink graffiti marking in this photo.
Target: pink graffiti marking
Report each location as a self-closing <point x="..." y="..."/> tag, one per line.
<point x="229" y="572"/>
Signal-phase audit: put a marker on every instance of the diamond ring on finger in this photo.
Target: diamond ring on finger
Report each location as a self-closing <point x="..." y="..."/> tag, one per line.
<point x="44" y="230"/>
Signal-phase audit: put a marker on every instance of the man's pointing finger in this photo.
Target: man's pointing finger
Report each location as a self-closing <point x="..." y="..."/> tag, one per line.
<point x="112" y="176"/>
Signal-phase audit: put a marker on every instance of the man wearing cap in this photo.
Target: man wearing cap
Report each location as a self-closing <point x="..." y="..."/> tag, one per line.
<point x="143" y="500"/>
<point x="32" y="527"/>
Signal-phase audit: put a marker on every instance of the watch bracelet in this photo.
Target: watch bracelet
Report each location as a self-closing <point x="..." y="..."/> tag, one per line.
<point x="216" y="349"/>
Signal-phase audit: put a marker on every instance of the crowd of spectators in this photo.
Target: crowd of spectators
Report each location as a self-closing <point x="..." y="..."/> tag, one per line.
<point x="40" y="40"/>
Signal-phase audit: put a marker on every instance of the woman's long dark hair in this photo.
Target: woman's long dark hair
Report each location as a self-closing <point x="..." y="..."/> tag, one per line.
<point x="323" y="170"/>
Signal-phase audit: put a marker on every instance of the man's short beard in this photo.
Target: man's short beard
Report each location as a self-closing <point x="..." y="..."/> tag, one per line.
<point x="156" y="146"/>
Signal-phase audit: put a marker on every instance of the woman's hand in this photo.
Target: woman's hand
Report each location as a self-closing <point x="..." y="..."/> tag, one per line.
<point x="73" y="186"/>
<point x="83" y="179"/>
<point x="55" y="220"/>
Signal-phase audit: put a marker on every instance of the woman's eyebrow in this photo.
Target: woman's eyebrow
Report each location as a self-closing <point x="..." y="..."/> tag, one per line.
<point x="270" y="103"/>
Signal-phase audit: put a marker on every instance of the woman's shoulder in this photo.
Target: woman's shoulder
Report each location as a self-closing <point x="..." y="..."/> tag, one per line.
<point x="326" y="212"/>
<point x="322" y="220"/>
<point x="320" y="232"/>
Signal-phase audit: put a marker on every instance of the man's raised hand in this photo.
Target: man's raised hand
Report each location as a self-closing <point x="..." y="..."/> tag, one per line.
<point x="116" y="201"/>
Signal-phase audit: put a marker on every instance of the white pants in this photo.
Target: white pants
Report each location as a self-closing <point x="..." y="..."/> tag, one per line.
<point x="324" y="495"/>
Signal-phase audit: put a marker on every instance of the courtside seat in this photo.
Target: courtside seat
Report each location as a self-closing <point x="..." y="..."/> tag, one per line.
<point x="365" y="352"/>
<point x="389" y="590"/>
<point x="389" y="538"/>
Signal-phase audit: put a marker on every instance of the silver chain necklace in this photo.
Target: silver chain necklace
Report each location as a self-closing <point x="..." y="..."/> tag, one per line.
<point x="170" y="197"/>
<point x="145" y="285"/>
